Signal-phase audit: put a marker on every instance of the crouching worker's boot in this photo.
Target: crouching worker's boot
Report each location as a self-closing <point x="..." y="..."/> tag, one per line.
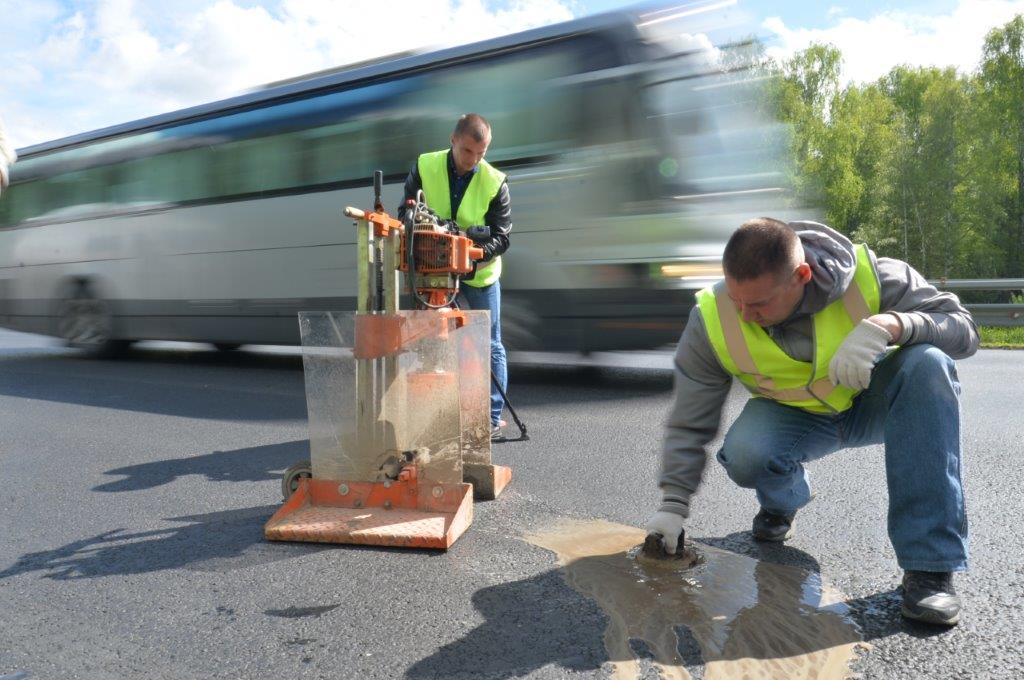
<point x="929" y="596"/>
<point x="769" y="526"/>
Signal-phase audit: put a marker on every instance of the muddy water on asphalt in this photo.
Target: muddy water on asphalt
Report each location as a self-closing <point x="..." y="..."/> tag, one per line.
<point x="749" y="619"/>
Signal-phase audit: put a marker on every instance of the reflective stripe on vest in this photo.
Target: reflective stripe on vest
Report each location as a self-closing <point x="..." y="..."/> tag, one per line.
<point x="483" y="187"/>
<point x="748" y="352"/>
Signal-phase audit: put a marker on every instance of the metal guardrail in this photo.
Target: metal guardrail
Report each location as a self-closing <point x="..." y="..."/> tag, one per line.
<point x="989" y="314"/>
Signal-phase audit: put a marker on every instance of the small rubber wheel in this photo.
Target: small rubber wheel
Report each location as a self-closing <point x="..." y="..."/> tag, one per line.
<point x="290" y="481"/>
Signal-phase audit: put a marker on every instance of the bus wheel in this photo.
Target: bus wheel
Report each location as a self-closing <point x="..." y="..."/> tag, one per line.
<point x="290" y="481"/>
<point x="86" y="322"/>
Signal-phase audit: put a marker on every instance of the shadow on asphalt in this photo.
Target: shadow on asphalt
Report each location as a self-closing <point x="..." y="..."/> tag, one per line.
<point x="542" y="621"/>
<point x="245" y="386"/>
<point x="256" y="388"/>
<point x="878" y="615"/>
<point x="614" y="380"/>
<point x="213" y="542"/>
<point x="530" y="623"/>
<point x="217" y="541"/>
<point x="253" y="464"/>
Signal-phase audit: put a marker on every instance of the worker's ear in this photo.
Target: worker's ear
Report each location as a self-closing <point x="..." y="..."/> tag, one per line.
<point x="803" y="273"/>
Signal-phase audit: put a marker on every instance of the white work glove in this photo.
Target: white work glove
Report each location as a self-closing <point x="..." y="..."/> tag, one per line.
<point x="853" y="362"/>
<point x="669" y="525"/>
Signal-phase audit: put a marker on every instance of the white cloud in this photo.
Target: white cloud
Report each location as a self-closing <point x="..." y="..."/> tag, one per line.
<point x="872" y="47"/>
<point x="114" y="61"/>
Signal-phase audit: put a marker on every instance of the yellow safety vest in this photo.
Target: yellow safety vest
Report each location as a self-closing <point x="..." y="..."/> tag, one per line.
<point x="483" y="187"/>
<point x="749" y="353"/>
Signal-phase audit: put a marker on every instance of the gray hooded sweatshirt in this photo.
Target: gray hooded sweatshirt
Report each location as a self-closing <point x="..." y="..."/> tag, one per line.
<point x="702" y="384"/>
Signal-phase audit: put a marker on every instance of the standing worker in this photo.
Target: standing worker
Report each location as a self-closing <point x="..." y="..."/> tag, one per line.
<point x="459" y="184"/>
<point x="808" y="321"/>
<point x="7" y="158"/>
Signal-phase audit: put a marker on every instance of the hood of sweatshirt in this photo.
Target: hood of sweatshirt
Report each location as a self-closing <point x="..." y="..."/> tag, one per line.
<point x="833" y="262"/>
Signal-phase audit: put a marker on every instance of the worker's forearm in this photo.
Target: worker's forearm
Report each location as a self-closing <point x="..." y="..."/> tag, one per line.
<point x="495" y="247"/>
<point x="890" y="323"/>
<point x="955" y="333"/>
<point x="926" y="314"/>
<point x="499" y="218"/>
<point x="499" y="213"/>
<point x="701" y="388"/>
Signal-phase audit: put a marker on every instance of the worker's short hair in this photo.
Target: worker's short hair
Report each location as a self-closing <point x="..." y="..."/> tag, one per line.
<point x="474" y="125"/>
<point x="762" y="246"/>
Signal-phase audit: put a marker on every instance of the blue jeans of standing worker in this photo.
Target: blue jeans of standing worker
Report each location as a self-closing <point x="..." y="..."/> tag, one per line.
<point x="912" y="406"/>
<point x="489" y="298"/>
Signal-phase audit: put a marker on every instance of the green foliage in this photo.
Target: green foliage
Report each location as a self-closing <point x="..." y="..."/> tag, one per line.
<point x="925" y="164"/>
<point x="998" y="337"/>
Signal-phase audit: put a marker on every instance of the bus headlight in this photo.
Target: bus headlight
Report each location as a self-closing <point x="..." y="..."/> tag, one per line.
<point x="687" y="274"/>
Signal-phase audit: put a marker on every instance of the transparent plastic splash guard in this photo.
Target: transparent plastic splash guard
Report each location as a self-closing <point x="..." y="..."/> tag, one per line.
<point x="395" y="402"/>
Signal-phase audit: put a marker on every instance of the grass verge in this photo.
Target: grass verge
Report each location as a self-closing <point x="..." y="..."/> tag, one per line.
<point x="993" y="337"/>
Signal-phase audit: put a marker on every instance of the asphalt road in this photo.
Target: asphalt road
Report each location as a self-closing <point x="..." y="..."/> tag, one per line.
<point x="135" y="491"/>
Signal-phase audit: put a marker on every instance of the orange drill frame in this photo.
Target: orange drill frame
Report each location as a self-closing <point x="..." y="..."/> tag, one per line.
<point x="410" y="511"/>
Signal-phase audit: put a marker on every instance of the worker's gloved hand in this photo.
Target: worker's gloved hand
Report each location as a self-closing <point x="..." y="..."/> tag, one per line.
<point x="669" y="525"/>
<point x="480" y="233"/>
<point x="853" y="362"/>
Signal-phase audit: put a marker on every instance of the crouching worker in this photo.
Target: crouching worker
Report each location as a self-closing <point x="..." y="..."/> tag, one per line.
<point x="810" y="324"/>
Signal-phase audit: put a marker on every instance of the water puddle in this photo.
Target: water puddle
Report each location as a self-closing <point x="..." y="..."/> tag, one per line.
<point x="746" y="619"/>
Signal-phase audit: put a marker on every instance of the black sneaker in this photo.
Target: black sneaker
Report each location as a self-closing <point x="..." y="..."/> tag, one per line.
<point x="929" y="596"/>
<point x="769" y="526"/>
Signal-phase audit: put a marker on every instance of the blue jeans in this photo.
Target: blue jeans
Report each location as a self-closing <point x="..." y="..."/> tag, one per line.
<point x="489" y="298"/>
<point x="912" y="406"/>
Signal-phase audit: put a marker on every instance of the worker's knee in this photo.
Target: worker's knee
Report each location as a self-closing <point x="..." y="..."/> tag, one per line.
<point x="745" y="459"/>
<point x="928" y="369"/>
<point x="926" y="358"/>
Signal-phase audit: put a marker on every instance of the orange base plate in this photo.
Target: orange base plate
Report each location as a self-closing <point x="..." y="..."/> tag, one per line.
<point x="488" y="480"/>
<point x="402" y="514"/>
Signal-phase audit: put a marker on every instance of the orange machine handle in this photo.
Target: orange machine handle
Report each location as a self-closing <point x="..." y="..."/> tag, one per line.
<point x="382" y="222"/>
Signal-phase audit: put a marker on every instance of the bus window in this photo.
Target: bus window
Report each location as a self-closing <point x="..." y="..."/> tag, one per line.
<point x="174" y="177"/>
<point x="514" y="92"/>
<point x="716" y="138"/>
<point x="340" y="152"/>
<point x="258" y="165"/>
<point x="71" y="193"/>
<point x="23" y="201"/>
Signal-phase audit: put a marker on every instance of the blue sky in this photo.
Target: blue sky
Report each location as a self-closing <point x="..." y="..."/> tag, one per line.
<point x="76" y="65"/>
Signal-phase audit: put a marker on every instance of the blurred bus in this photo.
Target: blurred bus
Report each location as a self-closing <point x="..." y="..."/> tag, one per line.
<point x="632" y="148"/>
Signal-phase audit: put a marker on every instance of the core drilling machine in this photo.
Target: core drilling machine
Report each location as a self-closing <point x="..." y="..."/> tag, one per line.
<point x="409" y="441"/>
